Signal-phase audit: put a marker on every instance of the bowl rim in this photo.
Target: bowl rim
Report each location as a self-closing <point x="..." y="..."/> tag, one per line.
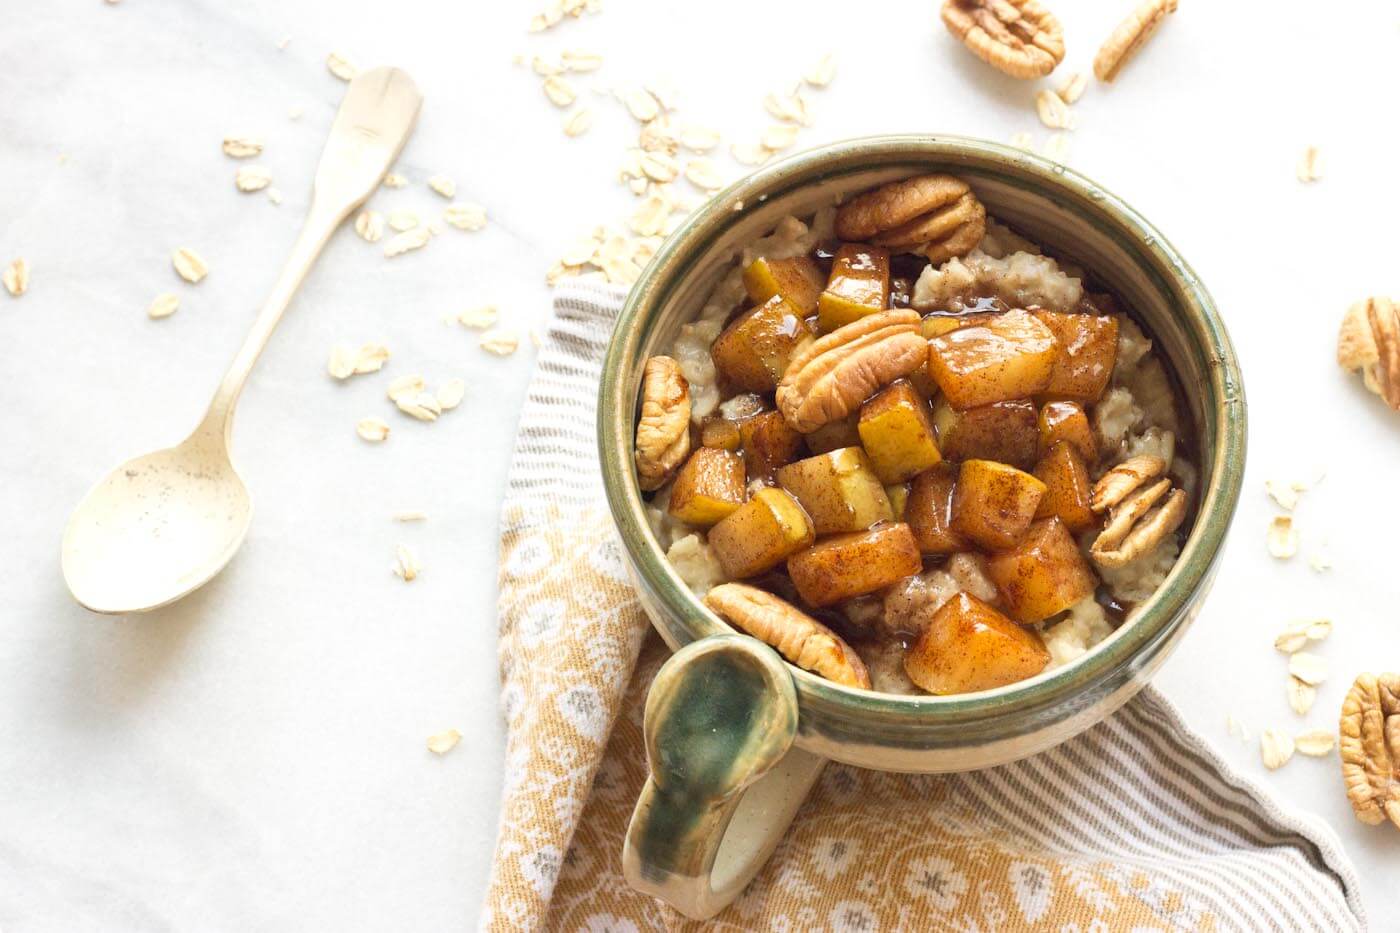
<point x="1165" y="611"/>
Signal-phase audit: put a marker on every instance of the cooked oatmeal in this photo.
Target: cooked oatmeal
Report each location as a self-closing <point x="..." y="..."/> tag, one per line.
<point x="926" y="440"/>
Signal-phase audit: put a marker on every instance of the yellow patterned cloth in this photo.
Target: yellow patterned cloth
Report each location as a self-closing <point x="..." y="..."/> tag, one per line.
<point x="1133" y="825"/>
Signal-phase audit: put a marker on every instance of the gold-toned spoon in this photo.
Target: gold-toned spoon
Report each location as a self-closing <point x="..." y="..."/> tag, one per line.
<point x="161" y="525"/>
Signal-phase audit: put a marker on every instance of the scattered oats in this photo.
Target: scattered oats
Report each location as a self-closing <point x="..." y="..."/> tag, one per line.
<point x="1074" y="87"/>
<point x="372" y="429"/>
<point x="274" y="195"/>
<point x="294" y="113"/>
<point x="788" y="108"/>
<point x="16" y="276"/>
<point x="371" y="358"/>
<point x="340" y="66"/>
<point x="1282" y="537"/>
<point x="341" y="364"/>
<point x="779" y="137"/>
<point x="1311" y="669"/>
<point x="1052" y="110"/>
<point x="560" y="92"/>
<point x="1315" y="743"/>
<point x="580" y="253"/>
<point x="413" y="239"/>
<point x="820" y="74"/>
<point x="1236" y="728"/>
<point x="410" y="515"/>
<point x="405" y="564"/>
<point x="479" y="318"/>
<point x="403" y="220"/>
<point x="252" y="178"/>
<point x="1300" y="696"/>
<point x="394" y="180"/>
<point x="500" y="342"/>
<point x="443" y="186"/>
<point x="578" y="122"/>
<point x="450" y="394"/>
<point x="1056" y="148"/>
<point x="189" y="265"/>
<point x="242" y="147"/>
<point x="370" y="226"/>
<point x="666" y="95"/>
<point x="406" y="387"/>
<point x="1285" y="494"/>
<point x="638" y="186"/>
<point x="1291" y="640"/>
<point x="749" y="154"/>
<point x="559" y="271"/>
<point x="1310" y="165"/>
<point x="164" y="305"/>
<point x="641" y="104"/>
<point x="444" y="742"/>
<point x="1299" y="634"/>
<point x="660" y="167"/>
<point x="1275" y="748"/>
<point x="650" y="216"/>
<point x="283" y="42"/>
<point x="702" y="173"/>
<point x="1319" y="629"/>
<point x="544" y="67"/>
<point x="465" y="216"/>
<point x="699" y="138"/>
<point x="1320" y="563"/>
<point x="1023" y="141"/>
<point x="575" y="60"/>
<point x="423" y="406"/>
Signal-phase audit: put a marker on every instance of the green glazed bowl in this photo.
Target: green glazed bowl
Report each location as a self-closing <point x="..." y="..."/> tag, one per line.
<point x="1076" y="219"/>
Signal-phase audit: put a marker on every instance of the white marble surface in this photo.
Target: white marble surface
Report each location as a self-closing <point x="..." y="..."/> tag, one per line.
<point x="253" y="757"/>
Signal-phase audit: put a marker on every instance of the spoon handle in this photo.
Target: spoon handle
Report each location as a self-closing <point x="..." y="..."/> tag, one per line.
<point x="375" y="119"/>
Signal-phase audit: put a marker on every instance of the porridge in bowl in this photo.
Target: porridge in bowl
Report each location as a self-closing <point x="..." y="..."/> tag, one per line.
<point x="913" y="452"/>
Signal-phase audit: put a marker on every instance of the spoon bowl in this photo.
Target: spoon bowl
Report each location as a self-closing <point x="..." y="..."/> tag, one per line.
<point x="156" y="527"/>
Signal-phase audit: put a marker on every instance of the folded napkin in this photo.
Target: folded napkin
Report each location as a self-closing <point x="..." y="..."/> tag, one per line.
<point x="1135" y="824"/>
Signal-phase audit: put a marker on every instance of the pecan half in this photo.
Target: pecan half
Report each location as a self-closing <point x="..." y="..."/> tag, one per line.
<point x="1369" y="340"/>
<point x="1130" y="36"/>
<point x="797" y="636"/>
<point x="1141" y="515"/>
<point x="937" y="215"/>
<point x="1370" y="748"/>
<point x="663" y="431"/>
<point x="831" y="377"/>
<point x="1018" y="37"/>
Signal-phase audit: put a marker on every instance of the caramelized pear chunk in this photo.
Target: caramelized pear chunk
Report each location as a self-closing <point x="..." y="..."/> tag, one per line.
<point x="1043" y="575"/>
<point x="897" y="433"/>
<point x="709" y="487"/>
<point x="1010" y="356"/>
<point x="898" y="494"/>
<point x="1067" y="488"/>
<point x="969" y="646"/>
<point x="798" y="280"/>
<point x="843" y="566"/>
<point x="994" y="504"/>
<point x="859" y="285"/>
<point x="752" y="353"/>
<point x="1002" y="431"/>
<point x="768" y="442"/>
<point x="1067" y="421"/>
<point x="929" y="510"/>
<point x="1087" y="350"/>
<point x="833" y="434"/>
<point x="721" y="433"/>
<point x="761" y="534"/>
<point x="839" y="491"/>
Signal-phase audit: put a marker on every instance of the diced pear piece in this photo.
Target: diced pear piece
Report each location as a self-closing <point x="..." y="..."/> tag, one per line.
<point x="798" y="279"/>
<point x="834" y="434"/>
<point x="898" y="494"/>
<point x="1043" y="575"/>
<point x="938" y="324"/>
<point x="708" y="487"/>
<point x="768" y="442"/>
<point x="1067" y="487"/>
<point x="721" y="433"/>
<point x="1087" y="348"/>
<point x="929" y="510"/>
<point x="844" y="566"/>
<point x="839" y="491"/>
<point x="1002" y="431"/>
<point x="761" y="534"/>
<point x="1067" y="421"/>
<point x="969" y="646"/>
<point x="1010" y="356"/>
<point x="752" y="353"/>
<point x="897" y="433"/>
<point x="859" y="285"/>
<point x="994" y="504"/>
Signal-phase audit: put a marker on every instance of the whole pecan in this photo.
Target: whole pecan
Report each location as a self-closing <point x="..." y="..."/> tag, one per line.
<point x="831" y="377"/>
<point x="797" y="636"/>
<point x="1019" y="37"/>
<point x="1140" y="515"/>
<point x="663" y="431"/>
<point x="1370" y="747"/>
<point x="1369" y="340"/>
<point x="937" y="215"/>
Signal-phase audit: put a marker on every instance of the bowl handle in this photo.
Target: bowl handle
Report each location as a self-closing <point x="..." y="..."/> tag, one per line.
<point x="720" y="720"/>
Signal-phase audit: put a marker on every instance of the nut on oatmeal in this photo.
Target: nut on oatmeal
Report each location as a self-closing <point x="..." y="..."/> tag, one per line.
<point x="797" y="636"/>
<point x="663" y="433"/>
<point x="1130" y="36"/>
<point x="1370" y="747"/>
<point x="831" y="377"/>
<point x="937" y="215"/>
<point x="1140" y="515"/>
<point x="1369" y="341"/>
<point x="1018" y="37"/>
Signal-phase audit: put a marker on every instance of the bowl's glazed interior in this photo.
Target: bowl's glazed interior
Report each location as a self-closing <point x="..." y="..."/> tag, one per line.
<point x="1074" y="219"/>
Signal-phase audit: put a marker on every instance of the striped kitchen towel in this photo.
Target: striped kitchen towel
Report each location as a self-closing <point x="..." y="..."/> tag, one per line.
<point x="1133" y="825"/>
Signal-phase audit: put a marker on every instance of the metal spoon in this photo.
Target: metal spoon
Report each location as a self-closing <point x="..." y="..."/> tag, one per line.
<point x="162" y="525"/>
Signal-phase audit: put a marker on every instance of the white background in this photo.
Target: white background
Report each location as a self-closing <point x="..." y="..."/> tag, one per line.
<point x="253" y="757"/>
